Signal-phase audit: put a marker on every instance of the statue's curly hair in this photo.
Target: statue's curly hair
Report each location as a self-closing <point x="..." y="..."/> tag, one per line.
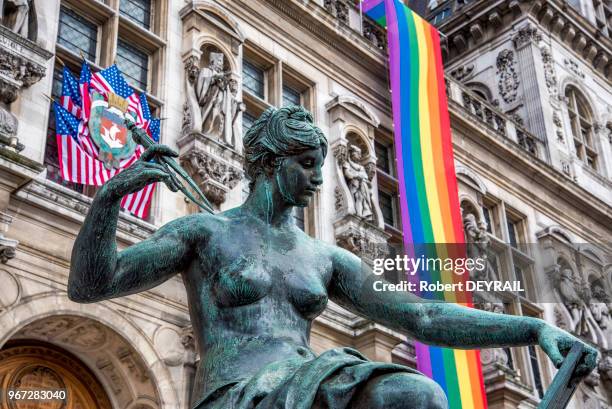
<point x="279" y="133"/>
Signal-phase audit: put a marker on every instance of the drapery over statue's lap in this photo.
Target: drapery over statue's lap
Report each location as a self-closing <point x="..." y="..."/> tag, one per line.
<point x="330" y="380"/>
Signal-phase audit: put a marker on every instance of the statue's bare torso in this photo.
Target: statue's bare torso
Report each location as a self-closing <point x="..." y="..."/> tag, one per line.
<point x="257" y="299"/>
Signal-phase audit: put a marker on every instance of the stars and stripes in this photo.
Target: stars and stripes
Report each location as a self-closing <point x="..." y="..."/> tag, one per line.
<point x="84" y="81"/>
<point x="77" y="153"/>
<point x="70" y="97"/>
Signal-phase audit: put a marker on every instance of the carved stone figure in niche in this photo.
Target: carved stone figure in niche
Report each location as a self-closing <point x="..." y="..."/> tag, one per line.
<point x="18" y="15"/>
<point x="211" y="90"/>
<point x="599" y="305"/>
<point x="359" y="183"/>
<point x="232" y="106"/>
<point x="255" y="283"/>
<point x="570" y="289"/>
<point x="478" y="244"/>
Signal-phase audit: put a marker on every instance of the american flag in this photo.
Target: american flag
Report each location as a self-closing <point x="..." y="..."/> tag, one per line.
<point x="76" y="150"/>
<point x="70" y="97"/>
<point x="84" y="80"/>
<point x="111" y="80"/>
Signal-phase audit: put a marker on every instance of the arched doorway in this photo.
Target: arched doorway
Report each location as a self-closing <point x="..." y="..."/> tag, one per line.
<point x="29" y="365"/>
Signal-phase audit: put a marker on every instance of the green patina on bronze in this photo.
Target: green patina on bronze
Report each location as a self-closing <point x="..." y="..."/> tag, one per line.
<point x="255" y="282"/>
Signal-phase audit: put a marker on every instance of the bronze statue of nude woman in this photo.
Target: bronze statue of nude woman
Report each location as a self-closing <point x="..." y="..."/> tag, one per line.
<point x="255" y="282"/>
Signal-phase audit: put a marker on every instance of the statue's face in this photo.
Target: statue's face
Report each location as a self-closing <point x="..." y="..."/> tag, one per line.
<point x="355" y="155"/>
<point x="299" y="176"/>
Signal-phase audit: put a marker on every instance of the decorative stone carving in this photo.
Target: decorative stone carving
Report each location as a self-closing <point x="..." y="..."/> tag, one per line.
<point x="357" y="179"/>
<point x="169" y="343"/>
<point x="477" y="247"/>
<point x="508" y="82"/>
<point x="90" y="335"/>
<point x="549" y="72"/>
<point x="134" y="364"/>
<point x="605" y="366"/>
<point x="20" y="17"/>
<point x="338" y="9"/>
<point x="526" y="35"/>
<point x="7" y="246"/>
<point x="338" y="199"/>
<point x="362" y="239"/>
<point x="213" y="175"/>
<point x="110" y="372"/>
<point x="462" y="72"/>
<point x="212" y="41"/>
<point x="11" y="290"/>
<point x="573" y="67"/>
<point x="22" y="63"/>
<point x="212" y="98"/>
<point x="583" y="313"/>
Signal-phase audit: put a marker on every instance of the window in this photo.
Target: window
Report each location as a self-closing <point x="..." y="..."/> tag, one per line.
<point x="386" y="207"/>
<point x="291" y="96"/>
<point x="441" y="16"/>
<point x="247" y="122"/>
<point x="535" y="368"/>
<point x="511" y="232"/>
<point x="382" y="157"/>
<point x="134" y="64"/>
<point x="77" y="34"/>
<point x="582" y="127"/>
<point x="139" y="11"/>
<point x="518" y="273"/>
<point x="253" y="79"/>
<point x="487" y="216"/>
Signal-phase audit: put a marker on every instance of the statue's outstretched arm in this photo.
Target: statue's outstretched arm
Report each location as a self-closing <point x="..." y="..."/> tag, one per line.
<point x="441" y="323"/>
<point x="97" y="270"/>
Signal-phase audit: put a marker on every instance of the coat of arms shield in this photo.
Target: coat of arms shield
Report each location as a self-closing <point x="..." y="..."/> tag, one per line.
<point x="108" y="130"/>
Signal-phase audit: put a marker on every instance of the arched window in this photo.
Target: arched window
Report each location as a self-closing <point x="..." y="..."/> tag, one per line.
<point x="581" y="120"/>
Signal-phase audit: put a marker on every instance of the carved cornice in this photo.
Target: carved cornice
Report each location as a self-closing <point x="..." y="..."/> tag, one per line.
<point x="73" y="205"/>
<point x="485" y="20"/>
<point x="21" y="64"/>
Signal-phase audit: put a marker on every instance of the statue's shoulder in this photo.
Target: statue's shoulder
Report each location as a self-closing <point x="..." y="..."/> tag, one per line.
<point x="199" y="225"/>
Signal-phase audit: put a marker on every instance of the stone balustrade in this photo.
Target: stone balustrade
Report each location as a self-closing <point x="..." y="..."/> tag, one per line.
<point x="347" y="12"/>
<point x="494" y="119"/>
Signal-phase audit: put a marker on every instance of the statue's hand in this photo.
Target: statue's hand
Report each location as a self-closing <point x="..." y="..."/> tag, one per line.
<point x="557" y="344"/>
<point x="141" y="173"/>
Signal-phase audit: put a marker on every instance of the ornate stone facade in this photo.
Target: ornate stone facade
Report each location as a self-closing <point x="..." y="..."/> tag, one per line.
<point x="520" y="184"/>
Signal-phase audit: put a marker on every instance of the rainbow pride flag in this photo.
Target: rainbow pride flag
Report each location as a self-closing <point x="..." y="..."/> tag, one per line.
<point x="430" y="211"/>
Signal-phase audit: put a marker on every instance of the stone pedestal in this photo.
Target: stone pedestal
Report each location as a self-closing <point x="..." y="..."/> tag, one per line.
<point x="214" y="166"/>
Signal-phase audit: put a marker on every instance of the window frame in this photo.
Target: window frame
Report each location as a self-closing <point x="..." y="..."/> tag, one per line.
<point x="580" y="116"/>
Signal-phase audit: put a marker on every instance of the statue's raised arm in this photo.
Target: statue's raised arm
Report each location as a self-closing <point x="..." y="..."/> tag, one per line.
<point x="97" y="270"/>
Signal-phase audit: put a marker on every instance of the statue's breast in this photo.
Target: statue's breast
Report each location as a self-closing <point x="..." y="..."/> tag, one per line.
<point x="241" y="282"/>
<point x="303" y="280"/>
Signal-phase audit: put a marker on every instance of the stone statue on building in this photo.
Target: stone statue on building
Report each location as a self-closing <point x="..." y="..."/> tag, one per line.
<point x="232" y="106"/>
<point x="477" y="248"/>
<point x="255" y="283"/>
<point x="212" y="89"/>
<point x="16" y="15"/>
<point x="358" y="182"/>
<point x="212" y="105"/>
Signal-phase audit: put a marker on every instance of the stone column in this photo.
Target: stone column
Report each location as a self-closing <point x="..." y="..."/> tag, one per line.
<point x="532" y="76"/>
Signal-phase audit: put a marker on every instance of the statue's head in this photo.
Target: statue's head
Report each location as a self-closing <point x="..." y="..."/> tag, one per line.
<point x="216" y="61"/>
<point x="354" y="153"/>
<point x="284" y="147"/>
